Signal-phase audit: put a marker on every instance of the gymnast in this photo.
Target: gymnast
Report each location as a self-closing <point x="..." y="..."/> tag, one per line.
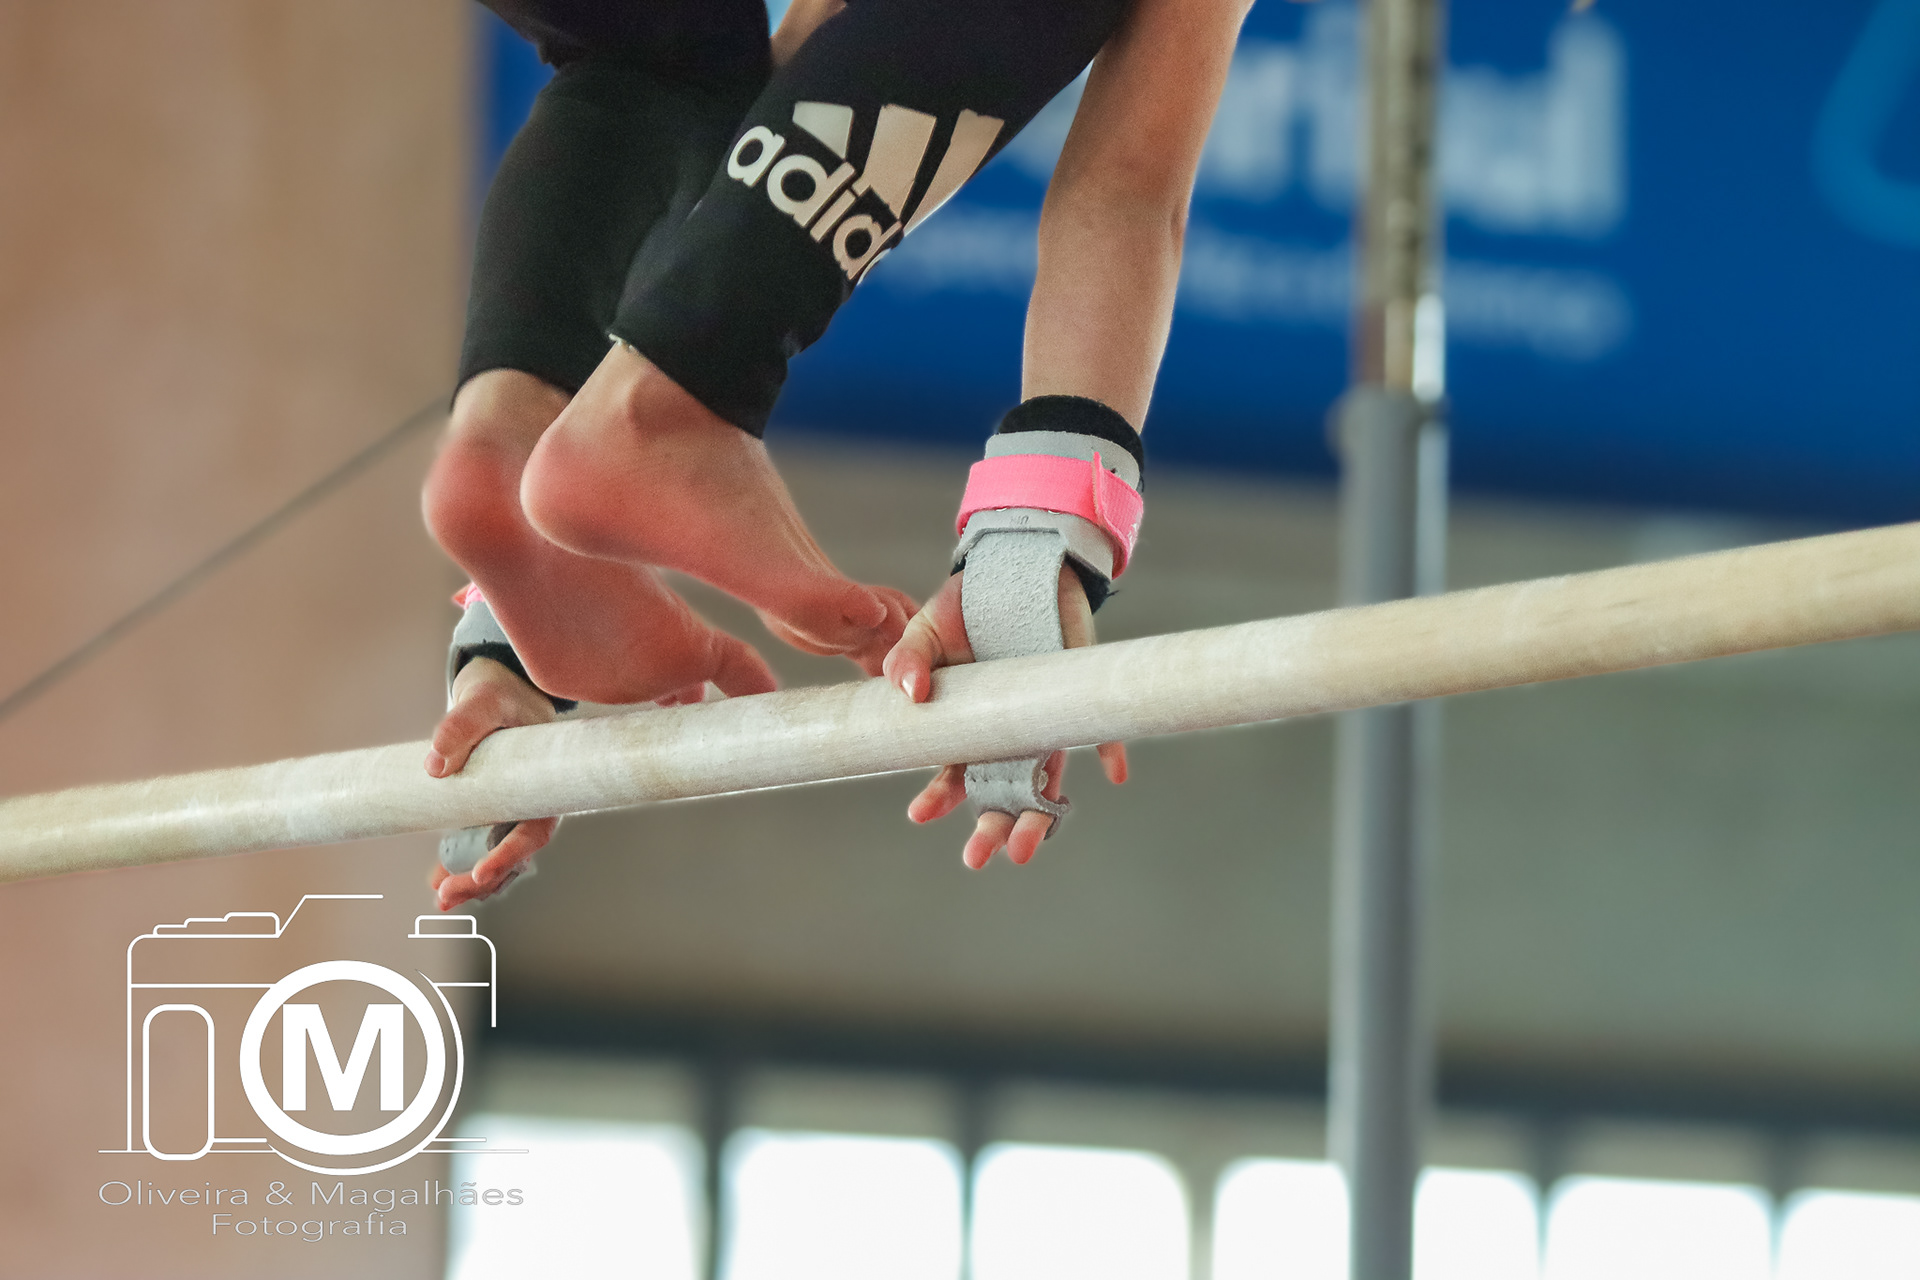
<point x="686" y="188"/>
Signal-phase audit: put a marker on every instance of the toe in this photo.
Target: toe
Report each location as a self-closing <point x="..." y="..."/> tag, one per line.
<point x="739" y="670"/>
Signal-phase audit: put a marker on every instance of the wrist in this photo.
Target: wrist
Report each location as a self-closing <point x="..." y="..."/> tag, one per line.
<point x="1067" y="466"/>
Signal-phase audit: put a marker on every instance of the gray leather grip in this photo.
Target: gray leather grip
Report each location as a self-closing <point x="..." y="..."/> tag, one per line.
<point x="1010" y="601"/>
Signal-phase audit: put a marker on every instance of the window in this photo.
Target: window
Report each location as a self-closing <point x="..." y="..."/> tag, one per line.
<point x="1837" y="1235"/>
<point x="842" y="1208"/>
<point x="1608" y="1228"/>
<point x="1041" y="1213"/>
<point x="1474" y="1224"/>
<point x="1288" y="1219"/>
<point x="1280" y="1220"/>
<point x="597" y="1199"/>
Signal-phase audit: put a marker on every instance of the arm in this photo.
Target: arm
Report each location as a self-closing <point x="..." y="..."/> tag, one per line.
<point x="1109" y="264"/>
<point x="1116" y="210"/>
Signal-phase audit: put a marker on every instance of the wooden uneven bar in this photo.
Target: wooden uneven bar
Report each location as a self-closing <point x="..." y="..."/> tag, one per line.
<point x="1829" y="588"/>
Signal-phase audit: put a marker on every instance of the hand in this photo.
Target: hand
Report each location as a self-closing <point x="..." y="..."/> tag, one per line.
<point x="487" y="695"/>
<point x="937" y="637"/>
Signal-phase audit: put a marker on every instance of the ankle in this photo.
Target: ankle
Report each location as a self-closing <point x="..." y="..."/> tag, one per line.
<point x="649" y="403"/>
<point x="469" y="502"/>
<point x="505" y="409"/>
<point x="471" y="498"/>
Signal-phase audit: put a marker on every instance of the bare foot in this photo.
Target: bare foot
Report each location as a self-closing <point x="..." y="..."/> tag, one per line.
<point x="586" y="628"/>
<point x="638" y="471"/>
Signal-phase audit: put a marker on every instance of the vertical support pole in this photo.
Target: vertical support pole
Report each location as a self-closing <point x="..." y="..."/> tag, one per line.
<point x="1786" y="1172"/>
<point x="1549" y="1139"/>
<point x="719" y="1117"/>
<point x="973" y="1120"/>
<point x="1393" y="486"/>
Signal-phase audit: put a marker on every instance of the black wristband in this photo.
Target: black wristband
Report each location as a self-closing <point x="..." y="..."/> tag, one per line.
<point x="1082" y="416"/>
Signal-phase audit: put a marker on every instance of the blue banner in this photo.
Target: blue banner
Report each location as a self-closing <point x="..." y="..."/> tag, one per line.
<point x="1683" y="260"/>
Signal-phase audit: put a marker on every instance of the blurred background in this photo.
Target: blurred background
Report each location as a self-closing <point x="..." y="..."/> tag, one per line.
<point x="788" y="1034"/>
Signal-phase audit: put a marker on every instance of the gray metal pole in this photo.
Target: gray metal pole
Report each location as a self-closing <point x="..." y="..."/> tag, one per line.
<point x="719" y="1116"/>
<point x="1393" y="487"/>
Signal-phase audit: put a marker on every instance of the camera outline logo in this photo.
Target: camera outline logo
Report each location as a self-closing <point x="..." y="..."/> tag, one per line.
<point x="185" y="1004"/>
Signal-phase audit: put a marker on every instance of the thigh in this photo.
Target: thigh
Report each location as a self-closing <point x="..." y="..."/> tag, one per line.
<point x="878" y="118"/>
<point x="625" y="136"/>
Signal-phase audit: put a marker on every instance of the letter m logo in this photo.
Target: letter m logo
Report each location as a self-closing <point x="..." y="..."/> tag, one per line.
<point x="302" y="1024"/>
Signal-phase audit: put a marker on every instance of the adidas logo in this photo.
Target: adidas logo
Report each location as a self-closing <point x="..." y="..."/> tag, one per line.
<point x="824" y="203"/>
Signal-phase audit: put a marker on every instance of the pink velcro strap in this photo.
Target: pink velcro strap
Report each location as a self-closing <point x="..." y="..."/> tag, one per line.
<point x="1069" y="486"/>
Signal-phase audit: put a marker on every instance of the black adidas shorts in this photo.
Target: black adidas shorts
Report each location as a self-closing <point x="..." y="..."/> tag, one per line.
<point x="667" y="191"/>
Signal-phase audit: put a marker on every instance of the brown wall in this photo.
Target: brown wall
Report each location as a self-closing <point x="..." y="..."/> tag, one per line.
<point x="231" y="253"/>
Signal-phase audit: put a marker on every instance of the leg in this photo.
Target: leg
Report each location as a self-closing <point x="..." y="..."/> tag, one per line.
<point x="603" y="160"/>
<point x="642" y="465"/>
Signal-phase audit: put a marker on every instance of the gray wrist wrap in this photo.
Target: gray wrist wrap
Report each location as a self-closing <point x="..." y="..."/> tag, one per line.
<point x="1083" y="541"/>
<point x="1010" y="600"/>
<point x="1010" y="597"/>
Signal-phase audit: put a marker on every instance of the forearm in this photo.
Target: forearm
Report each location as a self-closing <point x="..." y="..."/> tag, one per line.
<point x="1103" y="298"/>
<point x="1115" y="215"/>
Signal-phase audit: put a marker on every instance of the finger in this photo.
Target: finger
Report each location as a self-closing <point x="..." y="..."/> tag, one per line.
<point x="435" y="876"/>
<point x="909" y="665"/>
<point x="1076" y="616"/>
<point x="989" y="833"/>
<point x="1027" y="835"/>
<point x="525" y="839"/>
<point x="934" y="637"/>
<point x="1113" y="760"/>
<point x="1056" y="779"/>
<point x="739" y="670"/>
<point x="941" y="796"/>
<point x="455" y="890"/>
<point x="1033" y="825"/>
<point x="460" y="731"/>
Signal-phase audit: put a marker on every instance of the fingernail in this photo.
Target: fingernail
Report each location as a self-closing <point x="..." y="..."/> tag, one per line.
<point x="908" y="684"/>
<point x="436" y="763"/>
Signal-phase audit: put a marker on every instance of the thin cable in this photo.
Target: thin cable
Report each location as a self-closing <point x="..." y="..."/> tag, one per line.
<point x="242" y="543"/>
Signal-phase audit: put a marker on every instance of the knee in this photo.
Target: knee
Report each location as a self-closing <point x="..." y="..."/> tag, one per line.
<point x="471" y="496"/>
